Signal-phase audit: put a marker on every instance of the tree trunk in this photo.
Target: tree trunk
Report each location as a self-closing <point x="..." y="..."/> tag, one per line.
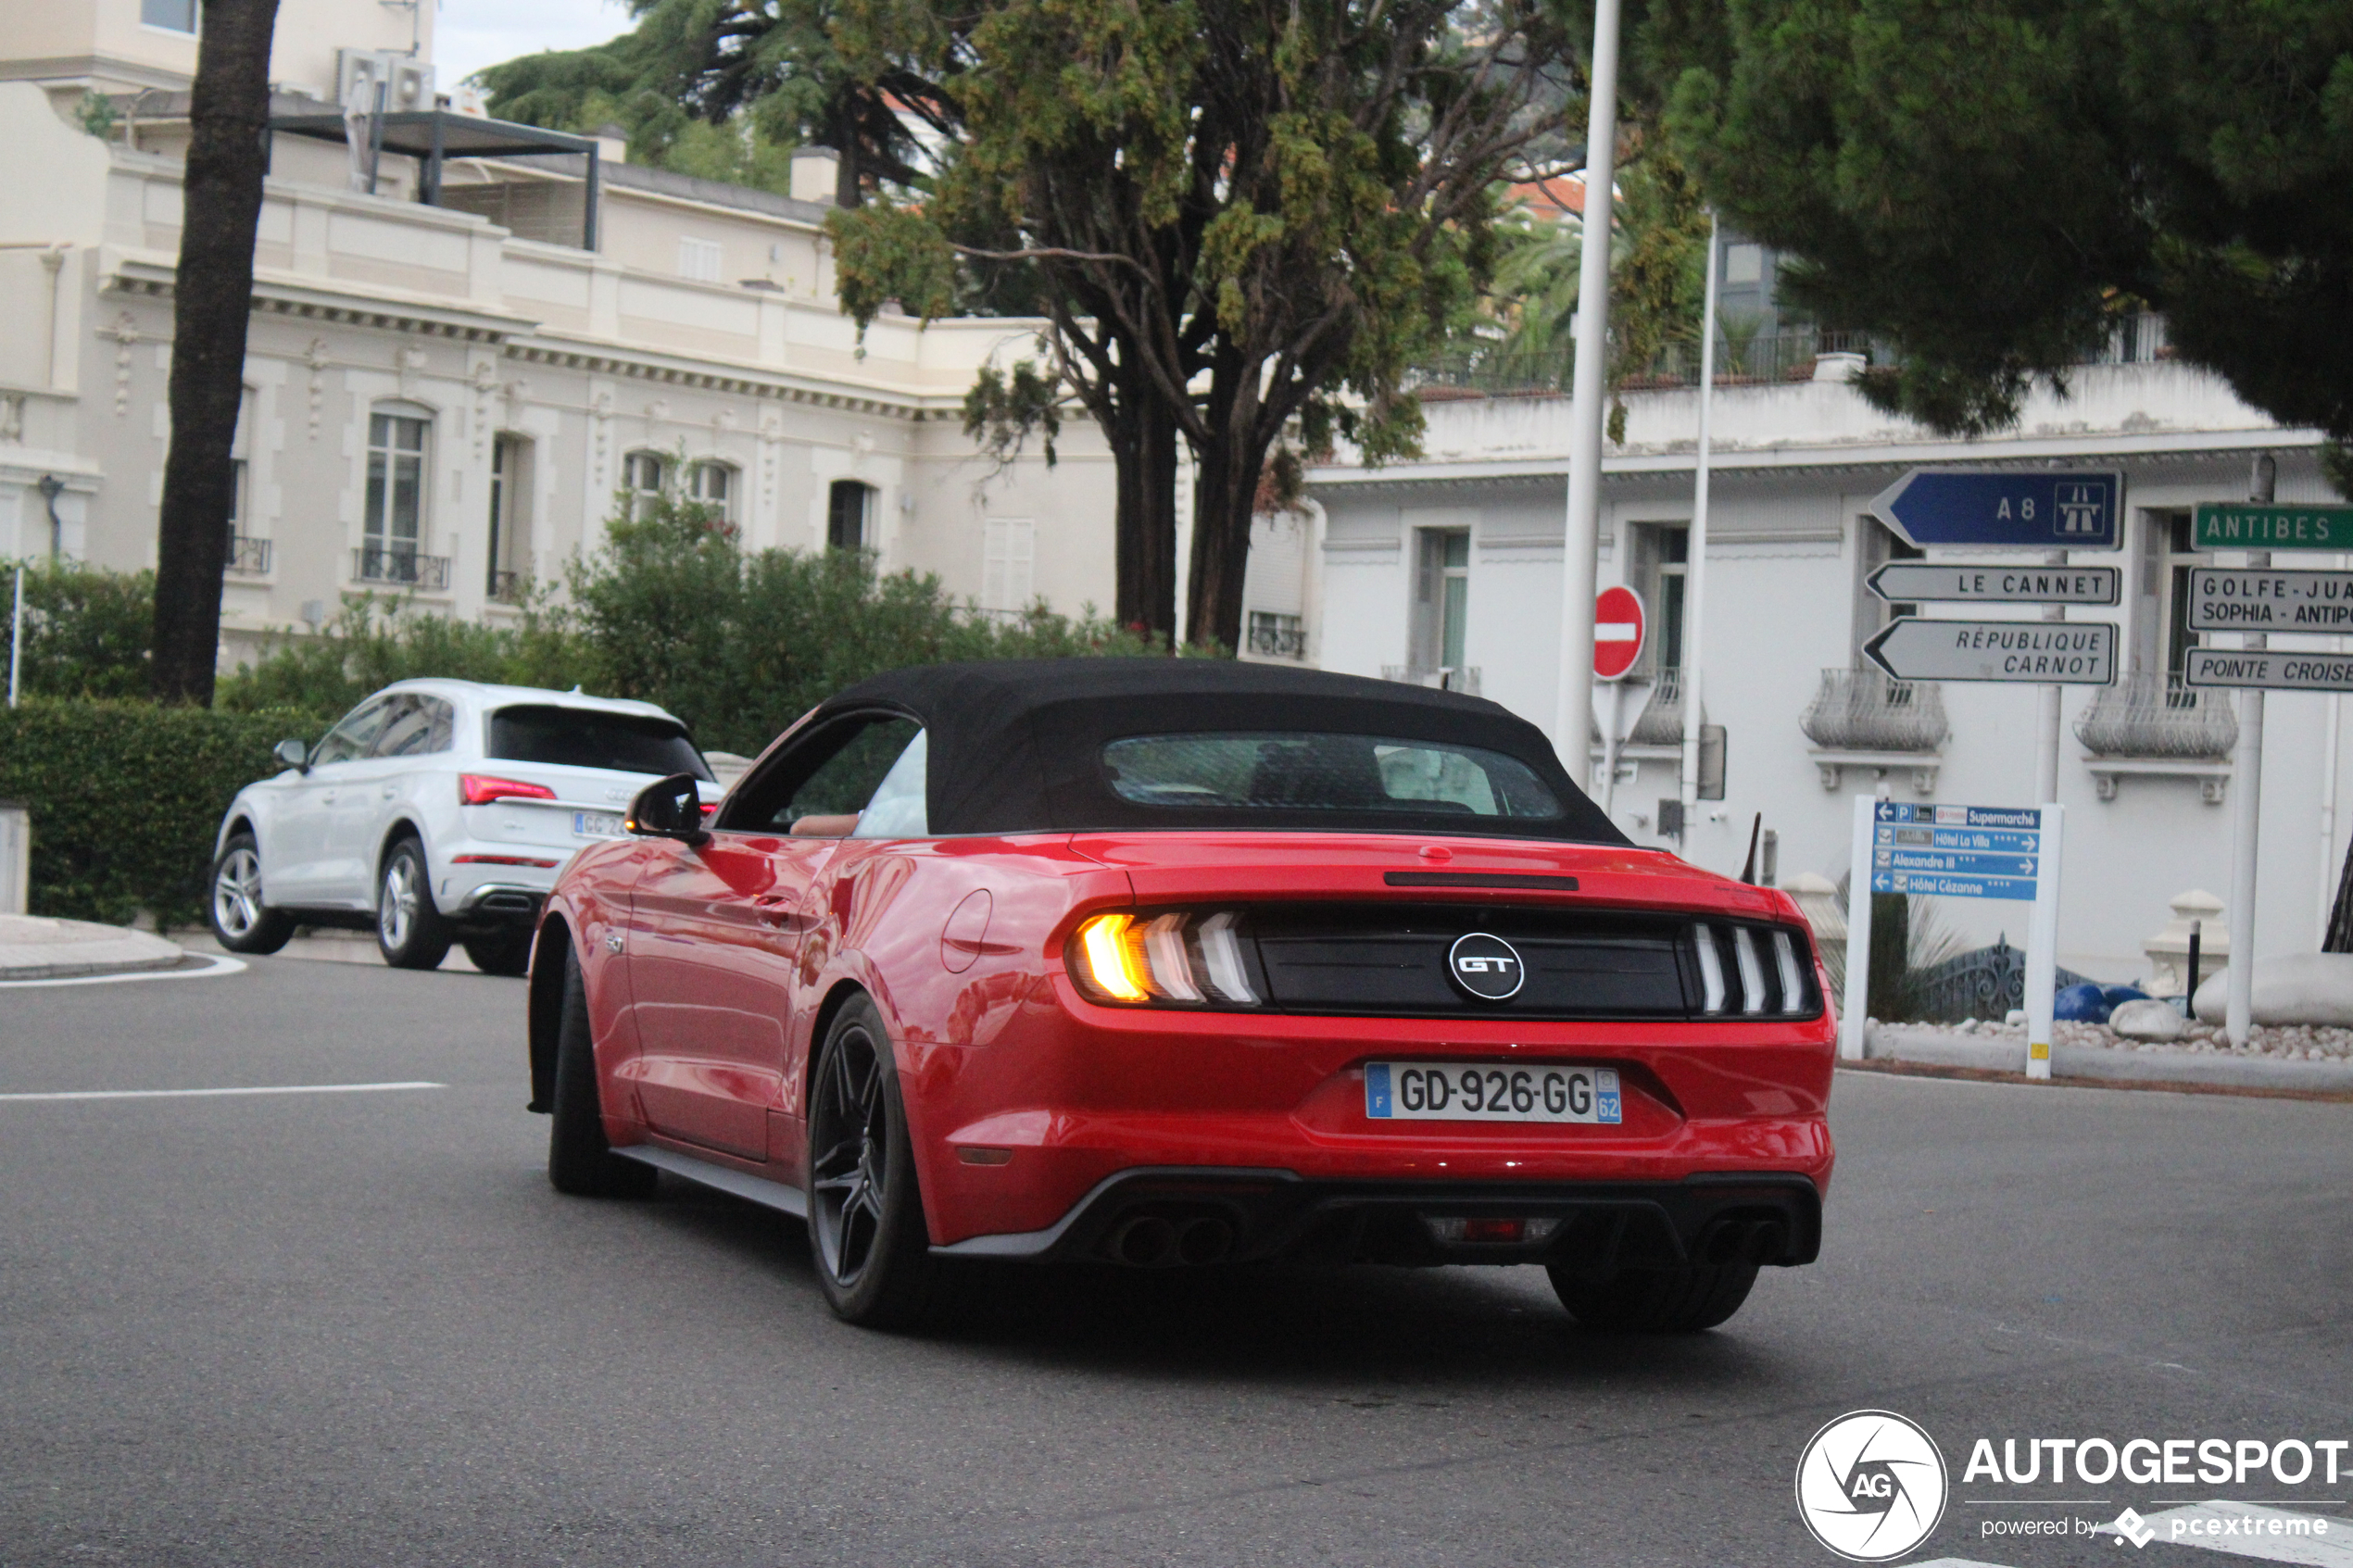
<point x="1143" y="441"/>
<point x="212" y="306"/>
<point x="2340" y="932"/>
<point x="1223" y="505"/>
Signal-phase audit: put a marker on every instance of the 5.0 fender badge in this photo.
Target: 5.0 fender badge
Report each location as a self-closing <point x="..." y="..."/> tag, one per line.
<point x="1487" y="967"/>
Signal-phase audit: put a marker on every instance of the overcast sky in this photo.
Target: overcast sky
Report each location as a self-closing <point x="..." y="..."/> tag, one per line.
<point x="470" y="35"/>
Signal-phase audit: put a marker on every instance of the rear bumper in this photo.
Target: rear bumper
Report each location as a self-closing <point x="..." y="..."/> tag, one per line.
<point x="1769" y="1218"/>
<point x="501" y="904"/>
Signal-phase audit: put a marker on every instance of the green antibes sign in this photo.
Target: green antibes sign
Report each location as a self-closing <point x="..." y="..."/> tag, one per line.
<point x="2249" y="525"/>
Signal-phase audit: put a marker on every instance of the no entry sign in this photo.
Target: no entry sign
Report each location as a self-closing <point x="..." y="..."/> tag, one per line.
<point x="1618" y="633"/>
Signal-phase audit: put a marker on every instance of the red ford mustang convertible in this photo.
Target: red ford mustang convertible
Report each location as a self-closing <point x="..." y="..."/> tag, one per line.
<point x="1179" y="962"/>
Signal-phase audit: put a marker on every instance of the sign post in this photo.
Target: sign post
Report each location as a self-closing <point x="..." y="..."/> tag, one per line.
<point x="1619" y="628"/>
<point x="1958" y="852"/>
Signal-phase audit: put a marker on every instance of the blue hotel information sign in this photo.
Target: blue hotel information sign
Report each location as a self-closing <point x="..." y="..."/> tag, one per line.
<point x="1955" y="851"/>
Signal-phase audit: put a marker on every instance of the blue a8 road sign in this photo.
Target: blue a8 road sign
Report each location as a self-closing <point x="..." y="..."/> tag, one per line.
<point x="2052" y="511"/>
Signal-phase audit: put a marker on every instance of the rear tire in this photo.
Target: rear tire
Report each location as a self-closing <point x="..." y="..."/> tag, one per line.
<point x="502" y="952"/>
<point x="865" y="1212"/>
<point x="579" y="1160"/>
<point x="411" y="932"/>
<point x="1671" y="1300"/>
<point x="241" y="921"/>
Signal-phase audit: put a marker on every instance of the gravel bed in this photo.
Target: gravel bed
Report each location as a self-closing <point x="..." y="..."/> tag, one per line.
<point x="2297" y="1042"/>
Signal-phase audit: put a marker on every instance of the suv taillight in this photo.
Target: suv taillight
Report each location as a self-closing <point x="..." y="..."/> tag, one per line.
<point x="1183" y="959"/>
<point x="477" y="789"/>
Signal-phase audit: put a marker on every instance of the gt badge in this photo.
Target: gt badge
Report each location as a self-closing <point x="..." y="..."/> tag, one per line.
<point x="1487" y="967"/>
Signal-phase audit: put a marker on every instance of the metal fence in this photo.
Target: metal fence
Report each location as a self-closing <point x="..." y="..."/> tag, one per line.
<point x="1986" y="982"/>
<point x="375" y="563"/>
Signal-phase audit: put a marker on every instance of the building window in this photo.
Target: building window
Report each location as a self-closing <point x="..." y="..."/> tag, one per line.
<point x="396" y="500"/>
<point x="509" y="518"/>
<point x="1275" y="635"/>
<point x="847" y="504"/>
<point x="714" y="485"/>
<point x="1658" y="569"/>
<point x="2171" y="532"/>
<point x="1442" y="599"/>
<point x="644" y="476"/>
<point x="1008" y="557"/>
<point x="173" y="16"/>
<point x="699" y="259"/>
<point x="1876" y="545"/>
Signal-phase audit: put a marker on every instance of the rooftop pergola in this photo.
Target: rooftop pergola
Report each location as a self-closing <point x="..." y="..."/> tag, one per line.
<point x="435" y="135"/>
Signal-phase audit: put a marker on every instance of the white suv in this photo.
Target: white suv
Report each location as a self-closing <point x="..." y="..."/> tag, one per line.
<point x="438" y="812"/>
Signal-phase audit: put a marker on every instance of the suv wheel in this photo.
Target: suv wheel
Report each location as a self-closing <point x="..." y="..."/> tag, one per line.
<point x="240" y="919"/>
<point x="500" y="952"/>
<point x="410" y="930"/>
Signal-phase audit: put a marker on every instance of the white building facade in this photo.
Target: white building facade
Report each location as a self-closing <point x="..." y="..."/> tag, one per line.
<point x="446" y="400"/>
<point x="1452" y="563"/>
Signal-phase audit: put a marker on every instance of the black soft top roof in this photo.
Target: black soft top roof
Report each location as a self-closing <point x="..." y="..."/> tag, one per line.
<point x="1016" y="744"/>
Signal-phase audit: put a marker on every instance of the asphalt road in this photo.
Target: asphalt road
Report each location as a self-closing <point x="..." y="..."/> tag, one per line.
<point x="360" y="1328"/>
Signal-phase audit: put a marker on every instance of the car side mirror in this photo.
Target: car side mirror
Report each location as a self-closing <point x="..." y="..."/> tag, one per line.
<point x="294" y="754"/>
<point x="669" y="808"/>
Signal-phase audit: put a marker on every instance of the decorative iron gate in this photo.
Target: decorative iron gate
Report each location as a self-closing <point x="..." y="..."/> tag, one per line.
<point x="1986" y="982"/>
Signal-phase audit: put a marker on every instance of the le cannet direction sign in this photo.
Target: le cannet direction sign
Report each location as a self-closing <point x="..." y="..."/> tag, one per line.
<point x="1914" y="582"/>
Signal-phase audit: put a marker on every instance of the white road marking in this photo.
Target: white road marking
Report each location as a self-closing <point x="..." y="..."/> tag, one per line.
<point x="2329" y="1546"/>
<point x="217" y="963"/>
<point x="210" y="1094"/>
<point x="1956" y="1562"/>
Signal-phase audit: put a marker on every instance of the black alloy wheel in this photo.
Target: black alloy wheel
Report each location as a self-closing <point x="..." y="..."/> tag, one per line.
<point x="579" y="1160"/>
<point x="411" y="931"/>
<point x="865" y="1215"/>
<point x="240" y="919"/>
<point x="500" y="952"/>
<point x="1683" y="1299"/>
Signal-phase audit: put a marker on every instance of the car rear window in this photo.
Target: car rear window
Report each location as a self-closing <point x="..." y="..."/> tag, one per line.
<point x="579" y="737"/>
<point x="1302" y="771"/>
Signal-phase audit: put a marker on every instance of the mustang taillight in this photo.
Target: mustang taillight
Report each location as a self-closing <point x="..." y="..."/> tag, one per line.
<point x="475" y="789"/>
<point x="1753" y="972"/>
<point x="1187" y="959"/>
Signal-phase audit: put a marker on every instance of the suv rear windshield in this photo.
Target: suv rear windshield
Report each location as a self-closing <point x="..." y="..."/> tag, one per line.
<point x="1300" y="771"/>
<point x="580" y="738"/>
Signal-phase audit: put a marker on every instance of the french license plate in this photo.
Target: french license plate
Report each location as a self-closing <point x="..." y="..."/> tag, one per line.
<point x="595" y="824"/>
<point x="1442" y="1091"/>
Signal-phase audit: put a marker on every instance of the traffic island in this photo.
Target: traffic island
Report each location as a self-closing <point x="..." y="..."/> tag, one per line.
<point x="37" y="948"/>
<point x="2284" y="1060"/>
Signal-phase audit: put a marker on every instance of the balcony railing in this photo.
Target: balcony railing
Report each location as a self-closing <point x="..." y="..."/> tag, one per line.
<point x="2152" y="714"/>
<point x="1276" y="636"/>
<point x="507" y="587"/>
<point x="1662" y="721"/>
<point x="1863" y="710"/>
<point x="1445" y="677"/>
<point x="248" y="557"/>
<point x="406" y="567"/>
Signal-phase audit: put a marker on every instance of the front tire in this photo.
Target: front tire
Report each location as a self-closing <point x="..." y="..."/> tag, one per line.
<point x="1672" y="1300"/>
<point x="241" y="921"/>
<point x="503" y="952"/>
<point x="579" y="1160"/>
<point x="411" y="932"/>
<point x="865" y="1213"/>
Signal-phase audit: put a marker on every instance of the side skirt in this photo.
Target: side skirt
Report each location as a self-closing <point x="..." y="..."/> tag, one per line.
<point x="752" y="1189"/>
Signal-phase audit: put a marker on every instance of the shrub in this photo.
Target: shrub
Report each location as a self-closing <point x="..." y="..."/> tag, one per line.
<point x="374" y="641"/>
<point x="86" y="630"/>
<point x="126" y="796"/>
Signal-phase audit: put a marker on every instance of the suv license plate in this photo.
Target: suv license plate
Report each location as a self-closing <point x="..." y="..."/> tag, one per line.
<point x="595" y="824"/>
<point x="1440" y="1091"/>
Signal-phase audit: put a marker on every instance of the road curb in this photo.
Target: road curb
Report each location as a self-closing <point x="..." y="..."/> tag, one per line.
<point x="2159" y="1066"/>
<point x="35" y="947"/>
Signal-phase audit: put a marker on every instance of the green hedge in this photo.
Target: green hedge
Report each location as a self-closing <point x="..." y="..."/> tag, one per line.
<point x="126" y="796"/>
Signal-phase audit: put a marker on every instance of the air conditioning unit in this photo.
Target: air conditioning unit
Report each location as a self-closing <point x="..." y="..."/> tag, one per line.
<point x="407" y="81"/>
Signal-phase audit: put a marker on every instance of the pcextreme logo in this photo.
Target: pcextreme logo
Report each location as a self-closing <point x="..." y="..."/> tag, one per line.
<point x="1871" y="1485"/>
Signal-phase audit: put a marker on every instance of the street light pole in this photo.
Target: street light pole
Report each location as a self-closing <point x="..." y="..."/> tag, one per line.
<point x="2247" y="809"/>
<point x="1582" y="540"/>
<point x="1696" y="543"/>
